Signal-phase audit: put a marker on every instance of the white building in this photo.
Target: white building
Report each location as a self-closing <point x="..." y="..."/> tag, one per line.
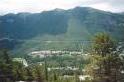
<point x="44" y="53"/>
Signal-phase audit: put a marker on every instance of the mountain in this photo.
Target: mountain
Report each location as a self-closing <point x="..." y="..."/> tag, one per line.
<point x="58" y="28"/>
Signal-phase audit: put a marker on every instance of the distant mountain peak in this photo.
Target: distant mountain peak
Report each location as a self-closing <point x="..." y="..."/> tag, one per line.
<point x="58" y="9"/>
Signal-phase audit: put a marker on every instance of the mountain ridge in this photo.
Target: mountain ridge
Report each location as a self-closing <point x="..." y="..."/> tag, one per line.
<point x="77" y="24"/>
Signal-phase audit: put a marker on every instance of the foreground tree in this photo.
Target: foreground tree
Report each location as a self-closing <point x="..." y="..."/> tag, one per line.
<point x="105" y="59"/>
<point x="38" y="73"/>
<point x="6" y="67"/>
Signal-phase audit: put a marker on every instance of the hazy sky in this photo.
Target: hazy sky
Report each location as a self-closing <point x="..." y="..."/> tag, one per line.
<point x="15" y="6"/>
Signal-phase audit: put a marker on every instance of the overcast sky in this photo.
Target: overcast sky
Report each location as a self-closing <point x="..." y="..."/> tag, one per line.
<point x="15" y="6"/>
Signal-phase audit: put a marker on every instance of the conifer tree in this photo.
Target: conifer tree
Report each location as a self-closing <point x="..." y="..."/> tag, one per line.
<point x="105" y="60"/>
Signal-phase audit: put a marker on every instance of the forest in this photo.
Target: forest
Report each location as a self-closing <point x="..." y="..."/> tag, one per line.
<point x="103" y="63"/>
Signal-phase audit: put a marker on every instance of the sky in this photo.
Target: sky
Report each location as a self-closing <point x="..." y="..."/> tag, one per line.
<point x="35" y="6"/>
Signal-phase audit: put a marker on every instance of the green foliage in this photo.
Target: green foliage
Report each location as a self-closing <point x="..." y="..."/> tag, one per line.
<point x="6" y="66"/>
<point x="105" y="60"/>
<point x="46" y="70"/>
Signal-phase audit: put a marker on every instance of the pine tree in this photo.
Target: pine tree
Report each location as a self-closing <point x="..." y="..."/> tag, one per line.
<point x="54" y="76"/>
<point x="7" y="66"/>
<point x="105" y="61"/>
<point x="29" y="74"/>
<point x="38" y="74"/>
<point x="46" y="71"/>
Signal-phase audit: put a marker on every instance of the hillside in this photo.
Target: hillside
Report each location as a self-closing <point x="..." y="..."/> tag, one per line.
<point x="58" y="28"/>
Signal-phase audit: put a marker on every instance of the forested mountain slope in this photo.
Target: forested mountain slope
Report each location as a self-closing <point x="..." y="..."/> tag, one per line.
<point x="57" y="28"/>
